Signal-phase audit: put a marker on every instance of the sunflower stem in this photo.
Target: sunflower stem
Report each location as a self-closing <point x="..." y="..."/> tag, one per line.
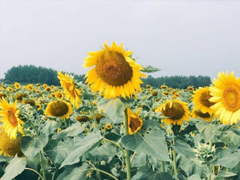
<point x="94" y="116"/>
<point x="35" y="172"/>
<point x="174" y="157"/>
<point x="163" y="166"/>
<point x="127" y="152"/>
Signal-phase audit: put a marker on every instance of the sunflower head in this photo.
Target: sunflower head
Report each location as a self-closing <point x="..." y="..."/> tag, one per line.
<point x="71" y="92"/>
<point x="115" y="72"/>
<point x="165" y="93"/>
<point x="175" y="110"/>
<point x="154" y="93"/>
<point x="190" y="88"/>
<point x="39" y="107"/>
<point x="17" y="85"/>
<point x="31" y="102"/>
<point x="10" y="89"/>
<point x="201" y="100"/>
<point x="60" y="109"/>
<point x="30" y="87"/>
<point x="10" y="118"/>
<point x="134" y="121"/>
<point x="197" y="113"/>
<point x="2" y="95"/>
<point x="225" y="94"/>
<point x="164" y="86"/>
<point x="108" y="126"/>
<point x="59" y="95"/>
<point x="82" y="118"/>
<point x="19" y="96"/>
<point x="9" y="147"/>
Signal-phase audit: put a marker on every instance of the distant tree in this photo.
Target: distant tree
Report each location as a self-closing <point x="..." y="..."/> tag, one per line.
<point x="180" y="82"/>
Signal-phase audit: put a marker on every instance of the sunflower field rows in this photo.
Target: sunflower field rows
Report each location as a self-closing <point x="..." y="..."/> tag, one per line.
<point x="114" y="127"/>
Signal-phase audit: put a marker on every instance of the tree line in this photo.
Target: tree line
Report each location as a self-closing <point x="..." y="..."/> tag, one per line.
<point x="180" y="82"/>
<point x="32" y="74"/>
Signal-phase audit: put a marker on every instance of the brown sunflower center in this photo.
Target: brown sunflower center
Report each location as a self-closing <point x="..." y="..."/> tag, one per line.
<point x="201" y="114"/>
<point x="59" y="109"/>
<point x="114" y="69"/>
<point x="12" y="118"/>
<point x="175" y="112"/>
<point x="204" y="99"/>
<point x="231" y="98"/>
<point x="135" y="123"/>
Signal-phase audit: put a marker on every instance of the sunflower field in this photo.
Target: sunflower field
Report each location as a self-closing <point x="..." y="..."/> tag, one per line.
<point x="114" y="127"/>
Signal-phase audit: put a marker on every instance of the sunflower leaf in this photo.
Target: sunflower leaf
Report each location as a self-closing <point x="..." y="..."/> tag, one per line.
<point x="81" y="147"/>
<point x="150" y="69"/>
<point x="145" y="141"/>
<point x="75" y="172"/>
<point x="113" y="108"/>
<point x="31" y="146"/>
<point x="14" y="168"/>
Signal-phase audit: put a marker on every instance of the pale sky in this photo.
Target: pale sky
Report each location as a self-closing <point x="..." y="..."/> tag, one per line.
<point x="182" y="37"/>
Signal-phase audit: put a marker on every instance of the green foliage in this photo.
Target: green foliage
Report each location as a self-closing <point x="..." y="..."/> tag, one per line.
<point x="179" y="82"/>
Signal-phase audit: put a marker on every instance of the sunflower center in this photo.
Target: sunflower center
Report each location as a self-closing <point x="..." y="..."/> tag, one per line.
<point x="134" y="123"/>
<point x="201" y="114"/>
<point x="59" y="109"/>
<point x="204" y="99"/>
<point x="12" y="118"/>
<point x="175" y="112"/>
<point x="231" y="96"/>
<point x="114" y="69"/>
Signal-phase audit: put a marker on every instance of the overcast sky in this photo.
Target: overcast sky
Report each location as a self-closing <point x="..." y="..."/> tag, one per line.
<point x="181" y="37"/>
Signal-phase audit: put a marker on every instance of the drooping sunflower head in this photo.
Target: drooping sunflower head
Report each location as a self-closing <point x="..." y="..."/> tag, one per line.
<point x="30" y="87"/>
<point x="115" y="72"/>
<point x="197" y="113"/>
<point x="164" y="86"/>
<point x="201" y="100"/>
<point x="134" y="121"/>
<point x="9" y="147"/>
<point x="225" y="94"/>
<point x="2" y="95"/>
<point x="19" y="96"/>
<point x="10" y="118"/>
<point x="175" y="110"/>
<point x="17" y="85"/>
<point x="71" y="92"/>
<point x="60" y="109"/>
<point x="154" y="93"/>
<point x="82" y="118"/>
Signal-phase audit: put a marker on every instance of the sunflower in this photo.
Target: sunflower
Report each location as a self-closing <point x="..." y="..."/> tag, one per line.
<point x="115" y="72"/>
<point x="201" y="100"/>
<point x="197" y="113"/>
<point x="30" y="87"/>
<point x="134" y="121"/>
<point x="60" y="109"/>
<point x="10" y="89"/>
<point x="82" y="118"/>
<point x="17" y="85"/>
<point x="108" y="126"/>
<point x="39" y="107"/>
<point x="9" y="147"/>
<point x="225" y="94"/>
<point x="164" y="86"/>
<point x="154" y="93"/>
<point x="71" y="92"/>
<point x="175" y="110"/>
<point x="190" y="88"/>
<point x="165" y="93"/>
<point x="59" y="95"/>
<point x="2" y="95"/>
<point x="11" y="122"/>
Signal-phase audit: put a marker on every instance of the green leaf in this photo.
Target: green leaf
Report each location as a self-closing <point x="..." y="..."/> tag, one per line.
<point x="113" y="108"/>
<point x="84" y="146"/>
<point x="74" y="173"/>
<point x="31" y="146"/>
<point x="183" y="148"/>
<point x="225" y="174"/>
<point x="71" y="131"/>
<point x="194" y="177"/>
<point x="145" y="141"/>
<point x="150" y="69"/>
<point x="49" y="127"/>
<point x="14" y="168"/>
<point x="230" y="160"/>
